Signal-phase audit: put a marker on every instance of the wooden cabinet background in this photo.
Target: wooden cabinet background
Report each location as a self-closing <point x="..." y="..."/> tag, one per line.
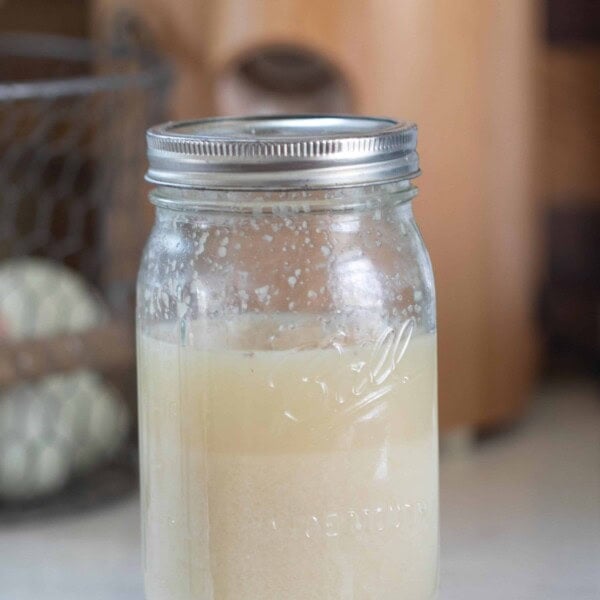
<point x="464" y="71"/>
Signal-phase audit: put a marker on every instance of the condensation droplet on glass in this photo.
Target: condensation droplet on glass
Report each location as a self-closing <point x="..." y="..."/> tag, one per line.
<point x="262" y="293"/>
<point x="201" y="243"/>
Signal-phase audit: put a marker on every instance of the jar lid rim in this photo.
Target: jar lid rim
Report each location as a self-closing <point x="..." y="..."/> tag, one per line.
<point x="281" y="152"/>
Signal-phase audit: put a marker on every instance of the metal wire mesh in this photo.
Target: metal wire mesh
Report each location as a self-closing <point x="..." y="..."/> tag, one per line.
<point x="72" y="151"/>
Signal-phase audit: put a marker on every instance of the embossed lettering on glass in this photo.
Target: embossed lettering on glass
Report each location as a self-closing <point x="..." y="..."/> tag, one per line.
<point x="287" y="364"/>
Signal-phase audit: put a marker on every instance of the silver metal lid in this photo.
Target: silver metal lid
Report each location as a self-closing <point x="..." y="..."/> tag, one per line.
<point x="281" y="152"/>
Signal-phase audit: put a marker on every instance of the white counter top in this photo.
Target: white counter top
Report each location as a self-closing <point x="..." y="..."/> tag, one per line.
<point x="520" y="521"/>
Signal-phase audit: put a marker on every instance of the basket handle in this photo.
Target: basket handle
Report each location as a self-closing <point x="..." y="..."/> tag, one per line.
<point x="103" y="348"/>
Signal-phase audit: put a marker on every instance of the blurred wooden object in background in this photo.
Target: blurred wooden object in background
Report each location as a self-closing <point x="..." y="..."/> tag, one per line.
<point x="463" y="72"/>
<point x="572" y="124"/>
<point x="65" y="17"/>
<point x="571" y="187"/>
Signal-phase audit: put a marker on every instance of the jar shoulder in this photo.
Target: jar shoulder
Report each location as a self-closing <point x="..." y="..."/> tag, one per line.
<point x="360" y="262"/>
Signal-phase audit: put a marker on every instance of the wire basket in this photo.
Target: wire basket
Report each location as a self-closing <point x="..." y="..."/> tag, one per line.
<point x="72" y="225"/>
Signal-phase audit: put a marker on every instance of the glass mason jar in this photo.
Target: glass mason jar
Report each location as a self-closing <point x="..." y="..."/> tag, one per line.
<point x="287" y="364"/>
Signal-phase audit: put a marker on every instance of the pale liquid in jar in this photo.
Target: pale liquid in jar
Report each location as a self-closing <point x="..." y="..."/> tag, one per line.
<point x="289" y="474"/>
